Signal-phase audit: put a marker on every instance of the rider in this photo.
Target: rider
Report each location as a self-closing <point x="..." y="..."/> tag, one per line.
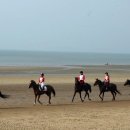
<point x="81" y="78"/>
<point x="106" y="80"/>
<point x="41" y="82"/>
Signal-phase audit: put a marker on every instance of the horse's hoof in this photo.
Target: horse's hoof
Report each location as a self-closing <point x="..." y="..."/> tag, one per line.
<point x="40" y="102"/>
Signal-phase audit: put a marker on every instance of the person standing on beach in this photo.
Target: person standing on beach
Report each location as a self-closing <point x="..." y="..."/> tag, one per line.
<point x="106" y="80"/>
<point x="81" y="78"/>
<point x="41" y="82"/>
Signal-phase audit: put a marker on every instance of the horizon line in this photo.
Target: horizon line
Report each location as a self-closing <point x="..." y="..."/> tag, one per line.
<point x="63" y="51"/>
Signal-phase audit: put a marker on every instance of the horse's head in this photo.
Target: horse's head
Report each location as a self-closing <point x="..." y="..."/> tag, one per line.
<point x="97" y="82"/>
<point x="127" y="82"/>
<point x="32" y="84"/>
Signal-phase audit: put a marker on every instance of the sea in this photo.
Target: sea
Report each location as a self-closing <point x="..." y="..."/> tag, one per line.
<point x="39" y="58"/>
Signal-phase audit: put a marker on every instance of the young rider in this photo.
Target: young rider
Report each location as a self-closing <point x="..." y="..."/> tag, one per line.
<point x="41" y="81"/>
<point x="106" y="80"/>
<point x="81" y="78"/>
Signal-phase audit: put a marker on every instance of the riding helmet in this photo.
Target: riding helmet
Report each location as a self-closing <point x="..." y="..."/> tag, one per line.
<point x="106" y="73"/>
<point x="81" y="72"/>
<point x="42" y="74"/>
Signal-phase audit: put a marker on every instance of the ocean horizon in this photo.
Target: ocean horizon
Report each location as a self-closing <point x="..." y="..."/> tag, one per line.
<point x="42" y="58"/>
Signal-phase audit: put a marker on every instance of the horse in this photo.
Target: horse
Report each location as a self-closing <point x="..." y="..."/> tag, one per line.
<point x="112" y="88"/>
<point x="38" y="93"/>
<point x="78" y="88"/>
<point x="127" y="82"/>
<point x="3" y="95"/>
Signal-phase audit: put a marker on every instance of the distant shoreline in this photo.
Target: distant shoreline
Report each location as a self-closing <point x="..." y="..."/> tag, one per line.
<point x="43" y="51"/>
<point x="62" y="74"/>
<point x="56" y="66"/>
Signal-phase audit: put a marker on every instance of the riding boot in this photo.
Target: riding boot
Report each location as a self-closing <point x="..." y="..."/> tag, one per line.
<point x="105" y="88"/>
<point x="43" y="89"/>
<point x="40" y="88"/>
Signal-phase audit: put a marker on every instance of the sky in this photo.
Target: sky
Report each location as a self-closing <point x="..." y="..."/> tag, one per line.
<point x="65" y="25"/>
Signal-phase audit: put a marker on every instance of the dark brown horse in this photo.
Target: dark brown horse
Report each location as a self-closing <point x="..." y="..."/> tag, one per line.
<point x="78" y="89"/>
<point x="112" y="88"/>
<point x="127" y="82"/>
<point x="38" y="93"/>
<point x="3" y="95"/>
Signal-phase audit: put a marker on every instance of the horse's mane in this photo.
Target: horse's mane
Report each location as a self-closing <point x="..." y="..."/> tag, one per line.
<point x="99" y="80"/>
<point x="32" y="81"/>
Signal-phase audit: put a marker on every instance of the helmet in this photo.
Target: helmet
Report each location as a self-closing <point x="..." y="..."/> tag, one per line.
<point x="42" y="74"/>
<point x="81" y="72"/>
<point x="106" y="73"/>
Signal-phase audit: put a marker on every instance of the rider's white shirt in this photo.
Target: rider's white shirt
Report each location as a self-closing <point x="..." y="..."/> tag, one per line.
<point x="81" y="77"/>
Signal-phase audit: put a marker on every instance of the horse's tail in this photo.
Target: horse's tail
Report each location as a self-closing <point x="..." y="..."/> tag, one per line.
<point x="118" y="91"/>
<point x="53" y="91"/>
<point x="3" y="96"/>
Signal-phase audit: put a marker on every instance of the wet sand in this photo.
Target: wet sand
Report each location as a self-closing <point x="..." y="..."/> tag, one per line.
<point x="19" y="113"/>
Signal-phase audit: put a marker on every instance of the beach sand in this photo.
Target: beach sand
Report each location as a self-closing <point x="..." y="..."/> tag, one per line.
<point x="19" y="113"/>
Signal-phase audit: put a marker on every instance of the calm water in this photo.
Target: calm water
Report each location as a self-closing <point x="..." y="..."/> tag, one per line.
<point x="30" y="58"/>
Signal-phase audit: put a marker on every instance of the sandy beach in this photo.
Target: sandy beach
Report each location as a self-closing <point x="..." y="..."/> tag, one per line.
<point x="19" y="113"/>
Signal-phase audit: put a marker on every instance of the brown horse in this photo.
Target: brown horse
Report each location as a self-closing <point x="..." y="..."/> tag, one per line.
<point x="38" y="93"/>
<point x="112" y="88"/>
<point x="78" y="89"/>
<point x="127" y="82"/>
<point x="3" y="95"/>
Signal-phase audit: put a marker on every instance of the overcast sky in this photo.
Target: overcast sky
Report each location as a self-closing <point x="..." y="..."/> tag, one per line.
<point x="65" y="25"/>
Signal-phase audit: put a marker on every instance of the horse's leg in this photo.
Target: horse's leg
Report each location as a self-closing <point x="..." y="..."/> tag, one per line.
<point x="38" y="99"/>
<point x="86" y="95"/>
<point x="49" y="95"/>
<point x="73" y="96"/>
<point x="81" y="97"/>
<point x="115" y="93"/>
<point x="49" y="99"/>
<point x="35" y="99"/>
<point x="113" y="96"/>
<point x="100" y="95"/>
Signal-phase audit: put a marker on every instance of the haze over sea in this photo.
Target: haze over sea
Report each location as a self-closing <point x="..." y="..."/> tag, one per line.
<point x="39" y="58"/>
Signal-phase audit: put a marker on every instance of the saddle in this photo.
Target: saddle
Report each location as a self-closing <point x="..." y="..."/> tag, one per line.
<point x="106" y="86"/>
<point x="82" y="85"/>
<point x="42" y="89"/>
